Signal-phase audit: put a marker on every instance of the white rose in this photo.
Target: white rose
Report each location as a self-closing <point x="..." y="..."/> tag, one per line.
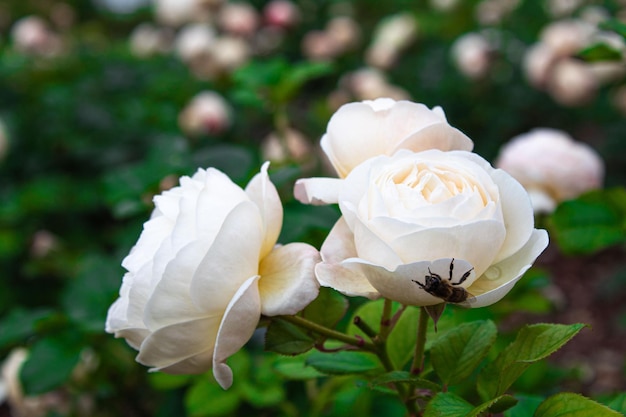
<point x="360" y="131"/>
<point x="413" y="214"/>
<point x="204" y="270"/>
<point x="552" y="166"/>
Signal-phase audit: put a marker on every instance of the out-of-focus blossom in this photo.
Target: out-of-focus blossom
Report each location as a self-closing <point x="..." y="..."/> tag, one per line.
<point x="177" y="13"/>
<point x="562" y="8"/>
<point x="392" y="35"/>
<point x="291" y="146"/>
<point x="230" y="53"/>
<point x="492" y="12"/>
<point x="367" y="84"/>
<point x="572" y="83"/>
<point x="538" y="63"/>
<point x="552" y="166"/>
<point x="340" y="35"/>
<point x="473" y="55"/>
<point x="443" y="5"/>
<point x="567" y="37"/>
<point x="238" y="19"/>
<point x="194" y="41"/>
<point x="148" y="40"/>
<point x="32" y="35"/>
<point x="43" y="243"/>
<point x="283" y="14"/>
<point x="208" y="113"/>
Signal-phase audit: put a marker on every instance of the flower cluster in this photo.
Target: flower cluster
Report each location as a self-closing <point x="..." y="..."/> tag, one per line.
<point x="417" y="207"/>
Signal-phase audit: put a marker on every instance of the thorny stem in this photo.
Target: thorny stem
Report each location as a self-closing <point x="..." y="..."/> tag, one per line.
<point x="330" y="333"/>
<point x="420" y="343"/>
<point x="385" y="321"/>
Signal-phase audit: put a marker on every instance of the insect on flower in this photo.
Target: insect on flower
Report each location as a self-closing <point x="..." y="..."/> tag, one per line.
<point x="446" y="289"/>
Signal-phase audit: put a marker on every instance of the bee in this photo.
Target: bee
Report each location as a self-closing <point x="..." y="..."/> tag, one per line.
<point x="445" y="289"/>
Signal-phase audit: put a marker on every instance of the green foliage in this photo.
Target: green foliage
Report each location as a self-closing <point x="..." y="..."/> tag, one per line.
<point x="592" y="222"/>
<point x="343" y="362"/>
<point x="570" y="404"/>
<point x="456" y="354"/>
<point x="533" y="343"/>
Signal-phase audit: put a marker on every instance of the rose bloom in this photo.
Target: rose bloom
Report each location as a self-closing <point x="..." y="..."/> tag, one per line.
<point x="415" y="214"/>
<point x="205" y="268"/>
<point x="551" y="166"/>
<point x="472" y="54"/>
<point x="207" y="113"/>
<point x="359" y="131"/>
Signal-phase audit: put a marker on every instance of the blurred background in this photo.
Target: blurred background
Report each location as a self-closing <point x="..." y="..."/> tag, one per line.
<point x="105" y="103"/>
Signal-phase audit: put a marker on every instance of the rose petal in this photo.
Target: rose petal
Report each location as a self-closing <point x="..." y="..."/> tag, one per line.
<point x="437" y="136"/>
<point x="505" y="274"/>
<point x="263" y="193"/>
<point x="178" y="342"/>
<point x="240" y="320"/>
<point x="346" y="279"/>
<point x="477" y="243"/>
<point x="399" y="284"/>
<point x="232" y="258"/>
<point x="317" y="191"/>
<point x="370" y="247"/>
<point x="288" y="283"/>
<point x="154" y="232"/>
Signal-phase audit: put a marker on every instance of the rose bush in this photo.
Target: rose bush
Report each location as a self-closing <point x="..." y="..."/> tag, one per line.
<point x="552" y="166"/>
<point x="413" y="213"/>
<point x="204" y="270"/>
<point x="359" y="131"/>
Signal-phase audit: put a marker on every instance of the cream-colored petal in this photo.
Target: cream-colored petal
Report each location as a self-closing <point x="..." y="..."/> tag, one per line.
<point x="399" y="284"/>
<point x="478" y="243"/>
<point x="498" y="280"/>
<point x="231" y="260"/>
<point x="440" y="136"/>
<point x="346" y="279"/>
<point x="263" y="193"/>
<point x="240" y="320"/>
<point x="288" y="283"/>
<point x="317" y="191"/>
<point x="178" y="342"/>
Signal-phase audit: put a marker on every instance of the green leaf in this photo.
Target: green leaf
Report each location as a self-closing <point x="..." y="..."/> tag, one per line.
<point x="405" y="377"/>
<point x="287" y="339"/>
<point x="618" y="403"/>
<point x="295" y="368"/>
<point x="207" y="399"/>
<point x="460" y="350"/>
<point x="599" y="52"/>
<point x="570" y="404"/>
<point x="87" y="298"/>
<point x="343" y="362"/>
<point x="496" y="405"/>
<point x="401" y="341"/>
<point x="162" y="381"/>
<point x="533" y="343"/>
<point x="592" y="222"/>
<point x="525" y="406"/>
<point x="327" y="309"/>
<point x="449" y="405"/>
<point x="20" y="324"/>
<point x="50" y="362"/>
<point x="614" y="25"/>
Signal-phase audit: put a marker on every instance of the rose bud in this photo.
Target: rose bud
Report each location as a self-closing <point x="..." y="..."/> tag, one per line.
<point x="208" y="113"/>
<point x="283" y="14"/>
<point x="472" y="54"/>
<point x="572" y="83"/>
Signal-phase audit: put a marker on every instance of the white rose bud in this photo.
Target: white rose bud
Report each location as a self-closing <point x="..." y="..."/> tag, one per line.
<point x="472" y="55"/>
<point x="538" y="62"/>
<point x="147" y="40"/>
<point x="32" y="35"/>
<point x="238" y="19"/>
<point x="416" y="217"/>
<point x="282" y="14"/>
<point x="393" y="34"/>
<point x="567" y="37"/>
<point x="195" y="41"/>
<point x="205" y="268"/>
<point x="572" y="82"/>
<point x="207" y="113"/>
<point x="179" y="12"/>
<point x="359" y="131"/>
<point x="551" y="166"/>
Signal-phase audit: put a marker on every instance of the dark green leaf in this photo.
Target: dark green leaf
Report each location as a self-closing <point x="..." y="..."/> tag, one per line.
<point x="405" y="377"/>
<point x="460" y="350"/>
<point x="614" y="25"/>
<point x="401" y="341"/>
<point x="497" y="405"/>
<point x="295" y="368"/>
<point x="344" y="362"/>
<point x="207" y="399"/>
<point x="617" y="403"/>
<point x="20" y="324"/>
<point x="525" y="406"/>
<point x="569" y="404"/>
<point x="287" y="339"/>
<point x="327" y="309"/>
<point x="449" y="405"/>
<point x="533" y="343"/>
<point x="600" y="52"/>
<point x="50" y="362"/>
